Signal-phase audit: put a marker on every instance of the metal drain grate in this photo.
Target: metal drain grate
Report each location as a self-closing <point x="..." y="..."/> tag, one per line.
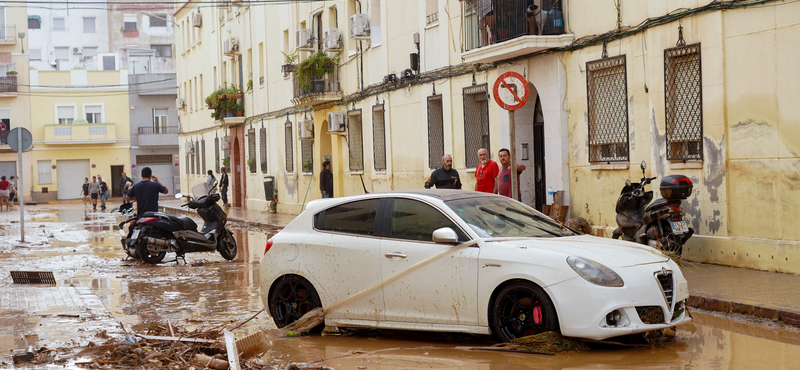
<point x="33" y="277"/>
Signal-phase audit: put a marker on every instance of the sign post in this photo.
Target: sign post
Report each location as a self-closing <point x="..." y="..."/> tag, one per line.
<point x="511" y="92"/>
<point x="20" y="140"/>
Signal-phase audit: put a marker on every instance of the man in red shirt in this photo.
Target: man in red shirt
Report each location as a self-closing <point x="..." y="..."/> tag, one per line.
<point x="486" y="173"/>
<point x="504" y="178"/>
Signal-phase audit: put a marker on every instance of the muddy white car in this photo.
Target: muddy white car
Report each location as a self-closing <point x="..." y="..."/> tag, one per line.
<point x="491" y="265"/>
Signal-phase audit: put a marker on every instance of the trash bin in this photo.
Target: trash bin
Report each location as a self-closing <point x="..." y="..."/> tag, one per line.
<point x="269" y="187"/>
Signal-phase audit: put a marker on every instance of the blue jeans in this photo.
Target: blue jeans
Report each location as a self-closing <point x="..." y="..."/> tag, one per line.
<point x="103" y="198"/>
<point x="325" y="195"/>
<point x="224" y="194"/>
<point x="124" y="199"/>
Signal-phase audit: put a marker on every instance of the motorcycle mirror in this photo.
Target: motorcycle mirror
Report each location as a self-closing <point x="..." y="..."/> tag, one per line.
<point x="643" y="165"/>
<point x="627" y="182"/>
<point x="178" y="196"/>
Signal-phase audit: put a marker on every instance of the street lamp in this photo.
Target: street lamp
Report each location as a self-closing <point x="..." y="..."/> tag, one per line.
<point x="21" y="35"/>
<point x="149" y="14"/>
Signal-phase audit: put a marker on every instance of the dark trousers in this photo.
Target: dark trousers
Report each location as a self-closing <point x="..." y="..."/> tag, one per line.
<point x="224" y="194"/>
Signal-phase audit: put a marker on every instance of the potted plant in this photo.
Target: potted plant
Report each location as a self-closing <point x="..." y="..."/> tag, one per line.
<point x="249" y="86"/>
<point x="308" y="167"/>
<point x="311" y="72"/>
<point x="229" y="105"/>
<point x="226" y="162"/>
<point x="238" y="109"/>
<point x="251" y="164"/>
<point x="289" y="61"/>
<point x="273" y="204"/>
<point x="11" y="73"/>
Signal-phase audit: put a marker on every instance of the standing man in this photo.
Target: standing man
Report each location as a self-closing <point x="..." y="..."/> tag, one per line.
<point x="85" y="191"/>
<point x="145" y="193"/>
<point x="504" y="177"/>
<point x="223" y="186"/>
<point x="326" y="180"/>
<point x="103" y="192"/>
<point x="94" y="188"/>
<point x="445" y="177"/>
<point x="124" y="179"/>
<point x="486" y="173"/>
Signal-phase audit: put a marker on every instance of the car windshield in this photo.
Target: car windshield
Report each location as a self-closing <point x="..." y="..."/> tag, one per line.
<point x="496" y="217"/>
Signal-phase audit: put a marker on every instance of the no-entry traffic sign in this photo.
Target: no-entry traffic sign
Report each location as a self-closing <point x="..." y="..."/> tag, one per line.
<point x="511" y="91"/>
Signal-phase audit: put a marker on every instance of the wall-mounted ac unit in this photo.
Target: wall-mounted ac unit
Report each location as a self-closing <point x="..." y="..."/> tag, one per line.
<point x="190" y="148"/>
<point x="333" y="39"/>
<point x="77" y="50"/>
<point x="336" y="122"/>
<point x="179" y="103"/>
<point x="231" y="46"/>
<point x="305" y="39"/>
<point x="359" y="26"/>
<point x="305" y="130"/>
<point x="197" y="20"/>
<point x="226" y="143"/>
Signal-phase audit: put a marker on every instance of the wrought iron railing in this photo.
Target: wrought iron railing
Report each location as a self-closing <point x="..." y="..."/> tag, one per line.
<point x="160" y="130"/>
<point x="493" y="21"/>
<point x="8" y="33"/>
<point x="317" y="84"/>
<point x="8" y="83"/>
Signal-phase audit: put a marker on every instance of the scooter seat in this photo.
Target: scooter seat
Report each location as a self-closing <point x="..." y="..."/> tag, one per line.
<point x="658" y="203"/>
<point x="185" y="222"/>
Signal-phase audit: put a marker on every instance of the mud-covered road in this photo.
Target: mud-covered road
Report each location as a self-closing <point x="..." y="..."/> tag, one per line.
<point x="100" y="294"/>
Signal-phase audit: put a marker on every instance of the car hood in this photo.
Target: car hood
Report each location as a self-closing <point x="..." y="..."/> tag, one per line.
<point x="610" y="252"/>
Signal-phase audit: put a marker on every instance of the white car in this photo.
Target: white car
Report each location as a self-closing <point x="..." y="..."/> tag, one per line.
<point x="505" y="269"/>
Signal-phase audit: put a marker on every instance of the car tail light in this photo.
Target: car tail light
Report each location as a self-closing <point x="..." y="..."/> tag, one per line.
<point x="147" y="219"/>
<point x="269" y="245"/>
<point x="674" y="208"/>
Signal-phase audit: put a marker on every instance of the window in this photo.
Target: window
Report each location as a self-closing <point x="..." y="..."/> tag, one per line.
<point x="379" y="137"/>
<point x="375" y="22"/>
<point x="216" y="155"/>
<point x="607" y="93"/>
<point x="203" y="155"/>
<point x="65" y="114"/>
<point x="431" y="12"/>
<point x="59" y="24"/>
<point x="45" y="170"/>
<point x="160" y="20"/>
<point x="160" y="121"/>
<point x="414" y="220"/>
<point x="197" y="157"/>
<point x="307" y="155"/>
<point x="129" y="22"/>
<point x="89" y="24"/>
<point x="93" y="113"/>
<point x="435" y="131"/>
<point x="251" y="150"/>
<point x="476" y="122"/>
<point x="288" y="147"/>
<point x="162" y="50"/>
<point x="34" y="24"/>
<point x="261" y="57"/>
<point x="354" y="218"/>
<point x="472" y="36"/>
<point x="263" y="142"/>
<point x="186" y="164"/>
<point x="62" y="52"/>
<point x="35" y="54"/>
<point x="683" y="100"/>
<point x="354" y="142"/>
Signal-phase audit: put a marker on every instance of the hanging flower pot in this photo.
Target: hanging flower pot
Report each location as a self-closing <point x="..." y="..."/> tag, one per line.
<point x="230" y="96"/>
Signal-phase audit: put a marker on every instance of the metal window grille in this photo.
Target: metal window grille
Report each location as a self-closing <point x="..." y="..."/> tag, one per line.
<point x="607" y="91"/>
<point x="355" y="141"/>
<point x="186" y="163"/>
<point x="307" y="155"/>
<point x="435" y="131"/>
<point x="203" y="154"/>
<point x="251" y="150"/>
<point x="288" y="145"/>
<point x="379" y="137"/>
<point x="154" y="158"/>
<point x="45" y="171"/>
<point x="197" y="157"/>
<point x="683" y="102"/>
<point x="216" y="155"/>
<point x="263" y="141"/>
<point x="476" y="122"/>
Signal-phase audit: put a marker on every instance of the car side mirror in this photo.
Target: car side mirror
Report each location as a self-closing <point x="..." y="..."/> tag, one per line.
<point x="445" y="235"/>
<point x="178" y="196"/>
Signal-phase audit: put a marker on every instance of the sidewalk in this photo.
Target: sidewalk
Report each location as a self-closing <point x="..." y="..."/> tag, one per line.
<point x="764" y="294"/>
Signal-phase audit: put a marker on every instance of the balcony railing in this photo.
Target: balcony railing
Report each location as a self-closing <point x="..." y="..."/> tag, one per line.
<point x="80" y="133"/>
<point x="8" y="83"/>
<point x="493" y="21"/>
<point x="158" y="130"/>
<point x="319" y="89"/>
<point x="8" y="34"/>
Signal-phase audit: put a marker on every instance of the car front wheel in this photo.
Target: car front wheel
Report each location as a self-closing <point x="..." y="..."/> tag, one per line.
<point x="290" y="298"/>
<point x="521" y="309"/>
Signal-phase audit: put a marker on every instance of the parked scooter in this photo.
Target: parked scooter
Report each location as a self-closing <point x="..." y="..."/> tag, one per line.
<point x="660" y="224"/>
<point x="126" y="219"/>
<point x="157" y="233"/>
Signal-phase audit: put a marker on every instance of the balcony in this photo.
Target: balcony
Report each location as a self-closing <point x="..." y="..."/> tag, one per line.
<point x="320" y="89"/>
<point x="80" y="133"/>
<point x="158" y="136"/>
<point x="8" y="35"/>
<point x="8" y="84"/>
<point x="502" y="29"/>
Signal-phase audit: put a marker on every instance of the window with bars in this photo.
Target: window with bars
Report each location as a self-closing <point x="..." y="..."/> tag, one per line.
<point x="203" y="155"/>
<point x="216" y="155"/>
<point x="186" y="164"/>
<point x="435" y="131"/>
<point x="153" y="158"/>
<point x="251" y="150"/>
<point x="379" y="137"/>
<point x="307" y="155"/>
<point x="263" y="142"/>
<point x="683" y="102"/>
<point x="197" y="157"/>
<point x="45" y="171"/>
<point x="476" y="122"/>
<point x="607" y="92"/>
<point x="355" y="142"/>
<point x="288" y="146"/>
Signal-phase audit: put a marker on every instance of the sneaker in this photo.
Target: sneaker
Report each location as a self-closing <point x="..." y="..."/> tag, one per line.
<point x="103" y="208"/>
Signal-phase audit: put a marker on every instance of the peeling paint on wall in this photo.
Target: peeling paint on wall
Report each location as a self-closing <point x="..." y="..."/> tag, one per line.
<point x="658" y="142"/>
<point x="691" y="211"/>
<point x="714" y="222"/>
<point x="631" y="123"/>
<point x="715" y="166"/>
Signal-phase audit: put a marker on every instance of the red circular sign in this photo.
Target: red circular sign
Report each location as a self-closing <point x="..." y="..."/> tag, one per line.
<point x="511" y="91"/>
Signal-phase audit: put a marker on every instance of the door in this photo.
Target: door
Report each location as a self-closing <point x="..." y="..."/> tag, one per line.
<point x="70" y="174"/>
<point x="163" y="172"/>
<point x="116" y="173"/>
<point x="236" y="163"/>
<point x="539" y="181"/>
<point x="442" y="292"/>
<point x="8" y="169"/>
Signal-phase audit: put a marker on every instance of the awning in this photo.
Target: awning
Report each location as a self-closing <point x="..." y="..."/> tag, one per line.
<point x="36" y="17"/>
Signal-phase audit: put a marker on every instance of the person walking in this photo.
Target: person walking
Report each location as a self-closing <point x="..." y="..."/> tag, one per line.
<point x="85" y="191"/>
<point x="223" y="186"/>
<point x="486" y="173"/>
<point x="326" y="180"/>
<point x="4" y="184"/>
<point x="94" y="188"/>
<point x="146" y="192"/>
<point x="445" y="177"/>
<point x="504" y="176"/>
<point x="104" y="193"/>
<point x="210" y="182"/>
<point x="123" y="180"/>
<point x="12" y="197"/>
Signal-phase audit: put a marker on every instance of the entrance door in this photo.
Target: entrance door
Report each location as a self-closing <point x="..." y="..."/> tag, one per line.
<point x="236" y="163"/>
<point x="116" y="173"/>
<point x="539" y="190"/>
<point x="8" y="169"/>
<point x="70" y="174"/>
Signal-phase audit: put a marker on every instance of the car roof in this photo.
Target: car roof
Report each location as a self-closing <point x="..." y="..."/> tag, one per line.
<point x="442" y="194"/>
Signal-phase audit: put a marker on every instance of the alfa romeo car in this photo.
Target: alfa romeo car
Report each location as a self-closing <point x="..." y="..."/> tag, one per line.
<point x="464" y="261"/>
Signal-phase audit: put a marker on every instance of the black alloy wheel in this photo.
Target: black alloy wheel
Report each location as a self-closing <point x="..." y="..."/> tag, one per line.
<point x="227" y="245"/>
<point x="521" y="309"/>
<point x="145" y="255"/>
<point x="290" y="298"/>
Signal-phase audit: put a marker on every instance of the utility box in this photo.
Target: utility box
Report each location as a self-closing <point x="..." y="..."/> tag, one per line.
<point x="269" y="187"/>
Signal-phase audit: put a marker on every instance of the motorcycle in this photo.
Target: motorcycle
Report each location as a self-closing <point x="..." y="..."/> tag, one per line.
<point x="156" y="233"/>
<point x="659" y="224"/>
<point x="126" y="219"/>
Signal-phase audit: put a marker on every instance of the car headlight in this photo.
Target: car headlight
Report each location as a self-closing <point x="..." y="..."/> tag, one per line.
<point x="595" y="272"/>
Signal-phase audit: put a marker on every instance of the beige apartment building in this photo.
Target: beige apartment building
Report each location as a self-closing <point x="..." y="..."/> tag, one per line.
<point x="690" y="87"/>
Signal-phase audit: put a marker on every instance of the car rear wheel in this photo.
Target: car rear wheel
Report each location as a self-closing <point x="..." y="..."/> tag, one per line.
<point x="521" y="309"/>
<point x="290" y="298"/>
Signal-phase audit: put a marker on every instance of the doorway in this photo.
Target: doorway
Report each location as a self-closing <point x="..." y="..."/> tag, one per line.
<point x="539" y="181"/>
<point x="116" y="174"/>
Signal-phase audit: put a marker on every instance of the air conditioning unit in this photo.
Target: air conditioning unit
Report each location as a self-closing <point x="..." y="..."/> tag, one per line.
<point x="226" y="143"/>
<point x="305" y="39"/>
<point x="359" y="26"/>
<point x="305" y="130"/>
<point x="77" y="50"/>
<point x="333" y="39"/>
<point x="197" y="20"/>
<point x="336" y="122"/>
<point x="179" y="103"/>
<point x="190" y="148"/>
<point x="231" y="46"/>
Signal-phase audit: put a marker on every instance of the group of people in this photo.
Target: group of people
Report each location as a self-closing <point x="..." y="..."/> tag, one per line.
<point x="211" y="182"/>
<point x="96" y="189"/>
<point x="8" y="191"/>
<point x="490" y="178"/>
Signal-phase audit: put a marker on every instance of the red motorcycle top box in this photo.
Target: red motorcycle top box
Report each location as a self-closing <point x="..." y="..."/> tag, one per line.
<point x="675" y="187"/>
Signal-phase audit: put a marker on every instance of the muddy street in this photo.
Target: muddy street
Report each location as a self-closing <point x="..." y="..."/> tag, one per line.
<point x="101" y="294"/>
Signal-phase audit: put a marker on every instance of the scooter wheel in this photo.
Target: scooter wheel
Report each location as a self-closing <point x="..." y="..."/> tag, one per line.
<point x="145" y="255"/>
<point x="227" y="246"/>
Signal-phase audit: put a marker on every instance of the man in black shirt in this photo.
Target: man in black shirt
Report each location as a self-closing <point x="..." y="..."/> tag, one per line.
<point x="223" y="186"/>
<point x="445" y="177"/>
<point x="326" y="180"/>
<point x="145" y="193"/>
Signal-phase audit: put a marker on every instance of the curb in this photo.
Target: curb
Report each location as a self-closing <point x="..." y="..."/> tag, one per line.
<point x="787" y="317"/>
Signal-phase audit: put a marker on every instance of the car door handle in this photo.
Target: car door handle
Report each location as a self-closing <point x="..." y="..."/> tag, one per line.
<point x="395" y="254"/>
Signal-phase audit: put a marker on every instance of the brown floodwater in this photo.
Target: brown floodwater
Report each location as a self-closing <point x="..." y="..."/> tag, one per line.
<point x="99" y="288"/>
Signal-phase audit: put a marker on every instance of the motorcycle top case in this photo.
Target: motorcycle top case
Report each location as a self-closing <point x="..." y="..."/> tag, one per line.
<point x="675" y="187"/>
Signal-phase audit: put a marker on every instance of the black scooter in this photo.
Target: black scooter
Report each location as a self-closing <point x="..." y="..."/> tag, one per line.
<point x="156" y="233"/>
<point x="660" y="224"/>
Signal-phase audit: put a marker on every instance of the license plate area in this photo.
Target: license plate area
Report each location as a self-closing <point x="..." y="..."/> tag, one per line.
<point x="135" y="234"/>
<point x="679" y="227"/>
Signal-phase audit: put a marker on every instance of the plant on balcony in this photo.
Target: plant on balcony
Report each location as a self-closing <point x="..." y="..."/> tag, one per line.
<point x="289" y="61"/>
<point x="214" y="101"/>
<point x="229" y="107"/>
<point x="251" y="164"/>
<point x="249" y="86"/>
<point x="238" y="109"/>
<point x="307" y="167"/>
<point x="11" y="73"/>
<point x="311" y="72"/>
<point x="226" y="162"/>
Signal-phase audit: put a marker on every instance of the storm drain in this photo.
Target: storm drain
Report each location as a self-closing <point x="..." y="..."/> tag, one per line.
<point x="33" y="277"/>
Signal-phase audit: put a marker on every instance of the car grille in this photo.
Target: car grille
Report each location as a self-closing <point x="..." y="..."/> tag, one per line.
<point x="665" y="281"/>
<point x="650" y="314"/>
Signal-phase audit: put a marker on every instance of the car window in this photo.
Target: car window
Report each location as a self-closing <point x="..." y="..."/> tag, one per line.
<point x="496" y="216"/>
<point x="413" y="220"/>
<point x="355" y="217"/>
